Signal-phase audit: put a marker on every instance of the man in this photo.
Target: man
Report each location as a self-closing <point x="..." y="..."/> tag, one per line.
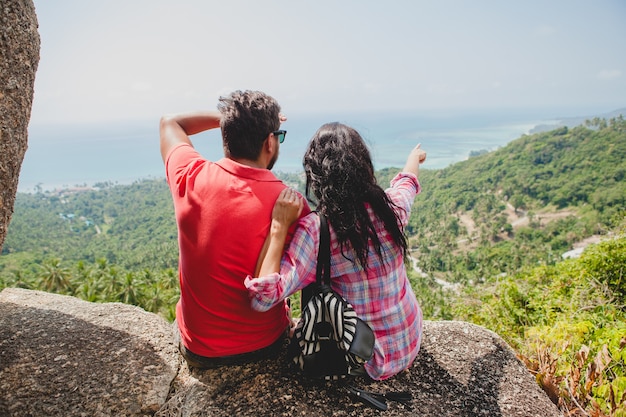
<point x="223" y="212"/>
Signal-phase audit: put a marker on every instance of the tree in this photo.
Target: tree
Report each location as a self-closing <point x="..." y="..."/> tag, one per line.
<point x="517" y="201"/>
<point x="19" y="58"/>
<point x="54" y="276"/>
<point x="128" y="293"/>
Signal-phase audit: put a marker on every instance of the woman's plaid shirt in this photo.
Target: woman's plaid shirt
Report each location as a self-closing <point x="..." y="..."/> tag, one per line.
<point x="382" y="295"/>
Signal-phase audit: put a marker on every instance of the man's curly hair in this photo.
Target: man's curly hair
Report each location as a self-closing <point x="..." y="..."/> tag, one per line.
<point x="247" y="118"/>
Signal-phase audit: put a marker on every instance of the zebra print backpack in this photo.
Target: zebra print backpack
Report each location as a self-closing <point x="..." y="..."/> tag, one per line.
<point x="330" y="341"/>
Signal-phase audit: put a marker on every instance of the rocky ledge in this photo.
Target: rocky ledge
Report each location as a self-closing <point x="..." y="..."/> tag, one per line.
<point x="60" y="356"/>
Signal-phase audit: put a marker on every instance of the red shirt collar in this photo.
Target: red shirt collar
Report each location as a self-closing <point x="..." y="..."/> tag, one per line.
<point x="246" y="171"/>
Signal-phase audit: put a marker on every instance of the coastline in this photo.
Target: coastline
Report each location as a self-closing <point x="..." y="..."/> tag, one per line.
<point x="61" y="157"/>
<point x="81" y="160"/>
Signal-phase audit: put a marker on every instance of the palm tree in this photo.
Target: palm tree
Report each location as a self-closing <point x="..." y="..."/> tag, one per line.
<point x="54" y="276"/>
<point x="154" y="298"/>
<point x="86" y="283"/>
<point x="128" y="294"/>
<point x="20" y="280"/>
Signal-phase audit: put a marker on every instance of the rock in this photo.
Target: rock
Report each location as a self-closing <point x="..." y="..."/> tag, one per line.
<point x="462" y="370"/>
<point x="61" y="356"/>
<point x="19" y="58"/>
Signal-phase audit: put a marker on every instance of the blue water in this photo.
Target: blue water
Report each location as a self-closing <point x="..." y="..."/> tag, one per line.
<point x="75" y="155"/>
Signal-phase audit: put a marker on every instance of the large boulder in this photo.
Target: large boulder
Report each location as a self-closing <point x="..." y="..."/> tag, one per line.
<point x="66" y="357"/>
<point x="60" y="356"/>
<point x="19" y="58"/>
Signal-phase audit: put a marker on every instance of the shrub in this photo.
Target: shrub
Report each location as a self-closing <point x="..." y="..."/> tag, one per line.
<point x="606" y="264"/>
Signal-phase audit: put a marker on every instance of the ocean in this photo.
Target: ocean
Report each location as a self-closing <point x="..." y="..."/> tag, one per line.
<point x="65" y="156"/>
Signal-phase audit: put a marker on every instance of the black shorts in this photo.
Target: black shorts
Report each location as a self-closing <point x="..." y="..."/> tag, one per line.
<point x="204" y="362"/>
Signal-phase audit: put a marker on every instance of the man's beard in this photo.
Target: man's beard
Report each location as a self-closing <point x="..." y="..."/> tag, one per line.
<point x="272" y="161"/>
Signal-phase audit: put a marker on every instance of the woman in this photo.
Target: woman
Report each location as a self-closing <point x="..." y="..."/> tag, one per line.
<point x="368" y="246"/>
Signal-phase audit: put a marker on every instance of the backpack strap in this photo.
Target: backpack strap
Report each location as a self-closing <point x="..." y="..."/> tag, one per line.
<point x="322" y="274"/>
<point x="323" y="255"/>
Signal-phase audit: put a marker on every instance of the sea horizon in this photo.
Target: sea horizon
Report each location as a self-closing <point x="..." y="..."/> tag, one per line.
<point x="68" y="156"/>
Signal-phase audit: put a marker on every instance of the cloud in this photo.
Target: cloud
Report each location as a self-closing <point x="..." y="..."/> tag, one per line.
<point x="545" y="30"/>
<point x="371" y="87"/>
<point x="141" y="86"/>
<point x="610" y="74"/>
<point x="445" y="89"/>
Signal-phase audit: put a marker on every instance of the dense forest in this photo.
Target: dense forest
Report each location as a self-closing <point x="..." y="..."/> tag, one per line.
<point x="487" y="239"/>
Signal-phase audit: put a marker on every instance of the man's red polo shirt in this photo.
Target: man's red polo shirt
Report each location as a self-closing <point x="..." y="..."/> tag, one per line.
<point x="223" y="211"/>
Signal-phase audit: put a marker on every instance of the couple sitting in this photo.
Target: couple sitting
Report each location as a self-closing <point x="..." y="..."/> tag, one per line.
<point x="247" y="241"/>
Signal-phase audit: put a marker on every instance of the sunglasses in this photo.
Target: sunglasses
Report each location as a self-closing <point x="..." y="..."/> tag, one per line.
<point x="280" y="135"/>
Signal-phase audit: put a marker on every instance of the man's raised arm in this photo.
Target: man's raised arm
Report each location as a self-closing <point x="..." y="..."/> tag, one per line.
<point x="176" y="129"/>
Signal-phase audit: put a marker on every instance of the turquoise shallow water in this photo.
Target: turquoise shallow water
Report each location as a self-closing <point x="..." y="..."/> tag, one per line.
<point x="66" y="156"/>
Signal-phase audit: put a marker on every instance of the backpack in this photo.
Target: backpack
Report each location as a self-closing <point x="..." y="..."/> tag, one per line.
<point x="330" y="341"/>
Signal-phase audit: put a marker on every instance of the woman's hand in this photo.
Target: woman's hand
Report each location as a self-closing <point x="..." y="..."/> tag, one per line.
<point x="416" y="157"/>
<point x="287" y="208"/>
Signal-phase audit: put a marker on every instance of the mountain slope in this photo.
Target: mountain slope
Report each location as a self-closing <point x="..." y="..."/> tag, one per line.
<point x="529" y="201"/>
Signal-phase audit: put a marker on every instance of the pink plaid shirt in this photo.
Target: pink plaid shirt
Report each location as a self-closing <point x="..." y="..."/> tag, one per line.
<point x="383" y="297"/>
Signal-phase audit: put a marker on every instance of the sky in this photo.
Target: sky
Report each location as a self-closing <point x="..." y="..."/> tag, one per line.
<point x="120" y="60"/>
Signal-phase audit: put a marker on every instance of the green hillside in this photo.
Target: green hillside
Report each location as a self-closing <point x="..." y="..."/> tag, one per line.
<point x="526" y="203"/>
<point x="487" y="238"/>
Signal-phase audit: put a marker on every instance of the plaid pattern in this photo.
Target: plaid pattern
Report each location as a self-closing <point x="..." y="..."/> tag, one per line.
<point x="382" y="296"/>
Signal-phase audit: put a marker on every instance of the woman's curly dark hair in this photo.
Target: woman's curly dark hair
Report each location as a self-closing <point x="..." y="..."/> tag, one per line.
<point x="340" y="175"/>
